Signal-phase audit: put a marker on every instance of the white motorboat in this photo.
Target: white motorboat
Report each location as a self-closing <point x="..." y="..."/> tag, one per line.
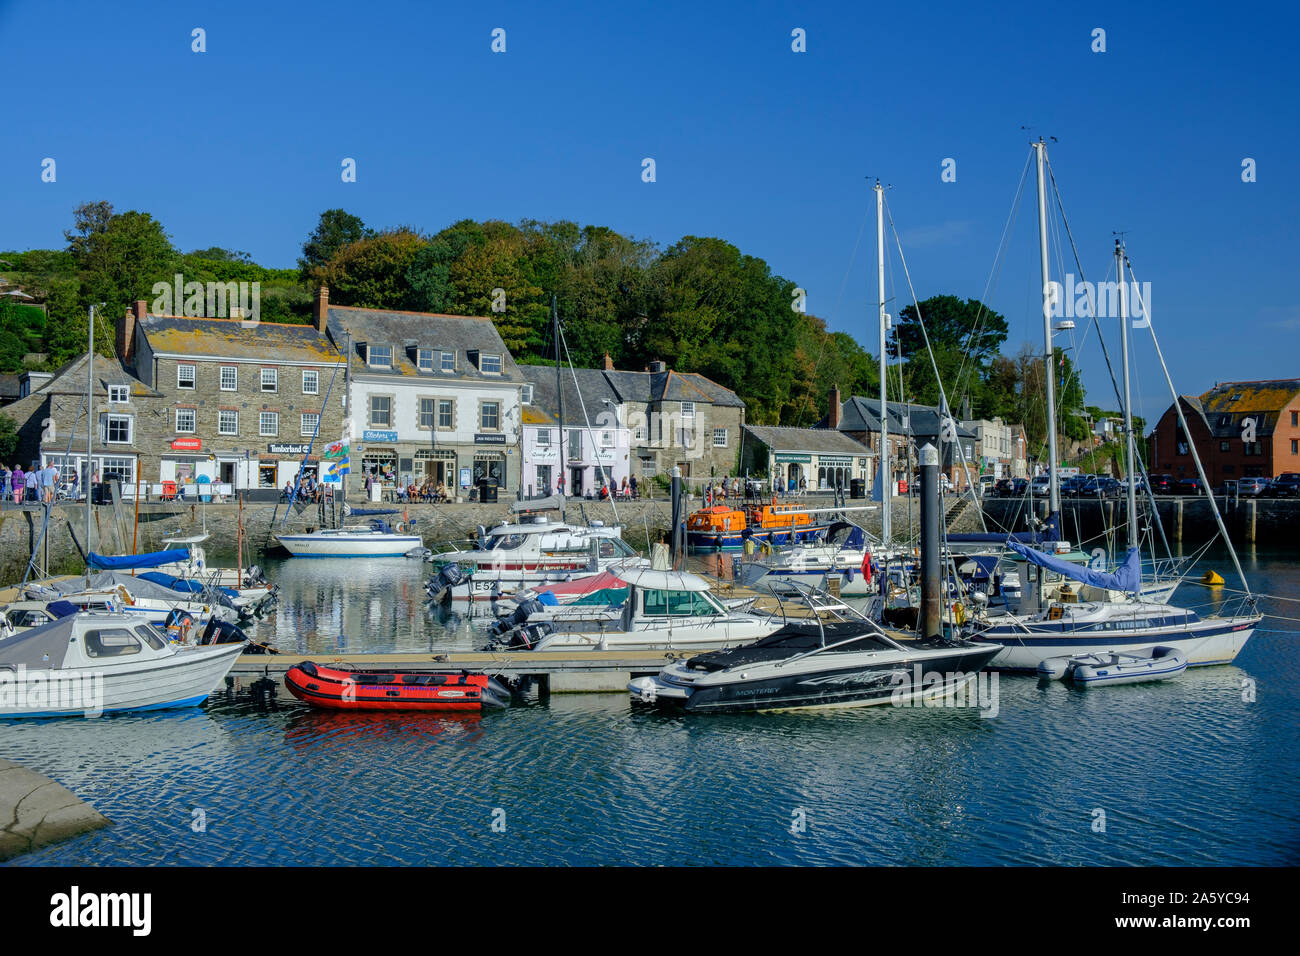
<point x="664" y="610"/>
<point x="116" y="591"/>
<point x="535" y="552"/>
<point x="375" y="539"/>
<point x="1096" y="670"/>
<point x="811" y="665"/>
<point x="101" y="663"/>
<point x="846" y="556"/>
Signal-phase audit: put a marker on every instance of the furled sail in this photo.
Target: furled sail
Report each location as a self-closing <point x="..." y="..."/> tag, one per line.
<point x="1127" y="577"/>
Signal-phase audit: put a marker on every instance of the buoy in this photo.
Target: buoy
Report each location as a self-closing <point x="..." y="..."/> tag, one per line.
<point x="1211" y="579"/>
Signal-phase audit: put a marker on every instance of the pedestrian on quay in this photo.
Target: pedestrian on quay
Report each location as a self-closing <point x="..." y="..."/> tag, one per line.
<point x="47" y="477"/>
<point x="5" y="488"/>
<point x="632" y="485"/>
<point x="33" y="479"/>
<point x="19" y="484"/>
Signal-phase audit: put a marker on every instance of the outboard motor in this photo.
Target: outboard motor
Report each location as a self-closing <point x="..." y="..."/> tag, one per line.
<point x="254" y="577"/>
<point x="482" y="538"/>
<point x="447" y="578"/>
<point x="522" y="638"/>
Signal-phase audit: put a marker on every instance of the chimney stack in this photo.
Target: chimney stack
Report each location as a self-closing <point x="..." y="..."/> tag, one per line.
<point x="833" y="415"/>
<point x="609" y="363"/>
<point x="125" y="343"/>
<point x="320" y="308"/>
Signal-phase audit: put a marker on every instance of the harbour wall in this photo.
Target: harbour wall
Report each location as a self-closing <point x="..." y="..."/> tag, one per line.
<point x="1186" y="520"/>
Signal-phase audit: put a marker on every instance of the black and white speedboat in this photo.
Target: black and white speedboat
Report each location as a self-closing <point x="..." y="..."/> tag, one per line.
<point x="809" y="664"/>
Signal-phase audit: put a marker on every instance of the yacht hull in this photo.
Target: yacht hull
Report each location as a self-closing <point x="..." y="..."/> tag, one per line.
<point x="1207" y="642"/>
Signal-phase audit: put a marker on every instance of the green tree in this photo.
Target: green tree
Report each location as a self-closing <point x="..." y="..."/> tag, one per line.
<point x="371" y="272"/>
<point x="335" y="229"/>
<point x="8" y="437"/>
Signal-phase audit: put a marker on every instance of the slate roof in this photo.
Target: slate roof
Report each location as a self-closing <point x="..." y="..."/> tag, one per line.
<point x="71" y="379"/>
<point x="592" y="383"/>
<point x="671" y="386"/>
<point x="230" y="338"/>
<point x="1223" y="407"/>
<point x="859" y="414"/>
<point x="822" y="441"/>
<point x="407" y="332"/>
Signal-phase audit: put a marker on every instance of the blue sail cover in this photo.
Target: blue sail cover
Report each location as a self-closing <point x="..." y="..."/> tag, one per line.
<point x="122" y="562"/>
<point x="1128" y="577"/>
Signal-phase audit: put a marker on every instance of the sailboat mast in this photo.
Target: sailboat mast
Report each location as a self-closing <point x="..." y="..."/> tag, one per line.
<point x="886" y="496"/>
<point x="1131" y="493"/>
<point x="559" y="398"/>
<point x="90" y="429"/>
<point x="1049" y="357"/>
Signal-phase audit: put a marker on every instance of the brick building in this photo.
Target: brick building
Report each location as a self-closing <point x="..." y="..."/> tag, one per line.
<point x="1221" y="422"/>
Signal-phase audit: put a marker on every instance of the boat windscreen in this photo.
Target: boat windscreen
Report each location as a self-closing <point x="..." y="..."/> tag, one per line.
<point x="794" y="639"/>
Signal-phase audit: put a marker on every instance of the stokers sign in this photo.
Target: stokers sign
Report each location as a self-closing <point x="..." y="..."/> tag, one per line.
<point x="186" y="444"/>
<point x="287" y="448"/>
<point x="491" y="439"/>
<point x="370" y="435"/>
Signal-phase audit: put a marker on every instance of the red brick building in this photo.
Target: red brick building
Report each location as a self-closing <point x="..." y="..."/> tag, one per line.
<point x="1222" y="420"/>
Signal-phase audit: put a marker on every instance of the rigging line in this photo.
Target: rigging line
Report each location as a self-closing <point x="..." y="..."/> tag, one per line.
<point x="31" y="564"/>
<point x="1182" y="420"/>
<point x="945" y="410"/>
<point x="590" y="433"/>
<point x="998" y="262"/>
<point x="1105" y="352"/>
<point x="320" y="419"/>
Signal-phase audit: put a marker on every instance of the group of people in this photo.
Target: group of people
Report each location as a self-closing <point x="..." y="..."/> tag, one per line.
<point x="716" y="491"/>
<point x="34" y="484"/>
<point x="626" y="489"/>
<point x="425" y="491"/>
<point x="309" y="489"/>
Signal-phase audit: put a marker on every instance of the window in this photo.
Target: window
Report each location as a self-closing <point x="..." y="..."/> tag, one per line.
<point x="310" y="422"/>
<point x="719" y="438"/>
<point x="117" y="429"/>
<point x="424" y="360"/>
<point x="381" y="411"/>
<point x="185" y="420"/>
<point x="543" y="436"/>
<point x="268" y="424"/>
<point x="526" y="395"/>
<point x="270" y="379"/>
<point x="1295" y="419"/>
<point x="380" y="356"/>
<point x="489" y="364"/>
<point x="119" y="394"/>
<point x="447" y="361"/>
<point x="185" y="376"/>
<point x="227" y="422"/>
<point x="490" y="416"/>
<point x="606" y="439"/>
<point x="117" y="469"/>
<point x="1295" y="446"/>
<point x="445" y="412"/>
<point x="229" y="378"/>
<point x="1224" y="446"/>
<point x="575" y="444"/>
<point x="1252" y="448"/>
<point x="310" y="381"/>
<point x="639" y="433"/>
<point x="688" y="409"/>
<point x="427" y="412"/>
<point x="115" y="642"/>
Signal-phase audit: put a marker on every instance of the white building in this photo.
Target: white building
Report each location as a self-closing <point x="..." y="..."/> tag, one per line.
<point x="595" y="446"/>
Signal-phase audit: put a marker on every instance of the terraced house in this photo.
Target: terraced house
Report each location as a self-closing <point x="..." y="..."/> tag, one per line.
<point x="433" y="396"/>
<point x="241" y="403"/>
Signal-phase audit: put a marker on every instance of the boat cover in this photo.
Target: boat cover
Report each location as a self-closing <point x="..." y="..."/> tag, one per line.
<point x="183" y="584"/>
<point x="358" y="512"/>
<point x="122" y="562"/>
<point x="1127" y="577"/>
<point x="139" y="587"/>
<point x="40" y="648"/>
<point x="62" y="608"/>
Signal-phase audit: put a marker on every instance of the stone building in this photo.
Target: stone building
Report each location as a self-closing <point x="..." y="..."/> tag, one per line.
<point x="242" y="401"/>
<point x="813" y="459"/>
<point x="595" y="445"/>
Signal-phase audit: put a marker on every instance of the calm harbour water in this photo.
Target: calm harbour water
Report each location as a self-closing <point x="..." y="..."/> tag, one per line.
<point x="1186" y="771"/>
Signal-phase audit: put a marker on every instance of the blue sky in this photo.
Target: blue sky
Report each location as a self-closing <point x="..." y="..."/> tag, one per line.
<point x="241" y="146"/>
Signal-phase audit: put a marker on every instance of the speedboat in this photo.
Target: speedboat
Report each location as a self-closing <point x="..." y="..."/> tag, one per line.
<point x="94" y="663"/>
<point x="535" y="552"/>
<point x="374" y="539"/>
<point x="658" y="610"/>
<point x="814" y="665"/>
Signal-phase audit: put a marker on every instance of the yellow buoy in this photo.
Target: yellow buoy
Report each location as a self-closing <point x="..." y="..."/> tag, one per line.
<point x="1211" y="579"/>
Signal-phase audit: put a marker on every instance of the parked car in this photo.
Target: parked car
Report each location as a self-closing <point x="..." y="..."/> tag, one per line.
<point x="1162" y="484"/>
<point x="1040" y="486"/>
<point x="986" y="485"/>
<point x="1252" y="487"/>
<point x="1139" y="485"/>
<point x="1286" y="485"/>
<point x="1187" y="486"/>
<point x="1070" y="486"/>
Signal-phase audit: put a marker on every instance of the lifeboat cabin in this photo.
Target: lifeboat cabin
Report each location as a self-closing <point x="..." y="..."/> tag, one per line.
<point x="718" y="528"/>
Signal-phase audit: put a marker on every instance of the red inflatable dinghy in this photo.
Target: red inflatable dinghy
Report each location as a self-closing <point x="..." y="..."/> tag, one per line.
<point x="388" y="690"/>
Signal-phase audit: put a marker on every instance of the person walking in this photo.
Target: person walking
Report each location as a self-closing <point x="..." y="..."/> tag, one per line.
<point x="5" y="488"/>
<point x="19" y="484"/>
<point x="47" y="483"/>
<point x="33" y="479"/>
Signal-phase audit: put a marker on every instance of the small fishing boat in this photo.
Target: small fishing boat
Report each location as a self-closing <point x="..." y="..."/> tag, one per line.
<point x="389" y="690"/>
<point x="1095" y="670"/>
<point x="94" y="663"/>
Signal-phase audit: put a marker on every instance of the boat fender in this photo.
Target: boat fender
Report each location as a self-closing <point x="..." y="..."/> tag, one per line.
<point x="1054" y="668"/>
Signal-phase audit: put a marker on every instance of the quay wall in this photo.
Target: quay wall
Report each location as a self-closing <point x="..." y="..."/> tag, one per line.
<point x="1270" y="522"/>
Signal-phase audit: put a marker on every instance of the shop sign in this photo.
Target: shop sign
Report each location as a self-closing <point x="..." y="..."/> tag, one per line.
<point x="187" y="444"/>
<point x="489" y="439"/>
<point x="386" y="436"/>
<point x="287" y="448"/>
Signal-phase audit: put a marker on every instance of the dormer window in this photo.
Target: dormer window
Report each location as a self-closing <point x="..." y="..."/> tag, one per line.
<point x="379" y="356"/>
<point x="526" y="395"/>
<point x="119" y="394"/>
<point x="424" y="360"/>
<point x="447" y="361"/>
<point x="489" y="364"/>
